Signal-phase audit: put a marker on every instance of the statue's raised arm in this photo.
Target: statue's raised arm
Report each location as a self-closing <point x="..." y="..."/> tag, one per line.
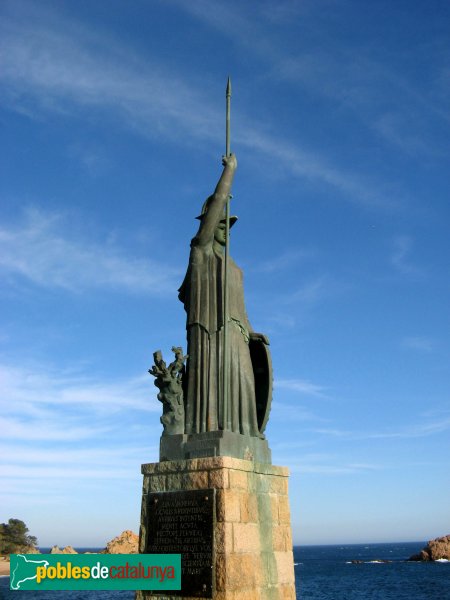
<point x="213" y="208"/>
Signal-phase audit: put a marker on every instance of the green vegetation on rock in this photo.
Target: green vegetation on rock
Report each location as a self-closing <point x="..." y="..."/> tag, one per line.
<point x="14" y="537"/>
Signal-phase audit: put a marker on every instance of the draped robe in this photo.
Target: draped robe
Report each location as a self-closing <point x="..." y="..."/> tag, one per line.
<point x="202" y="296"/>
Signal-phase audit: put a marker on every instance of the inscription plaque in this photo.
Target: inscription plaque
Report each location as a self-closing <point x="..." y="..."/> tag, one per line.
<point x="183" y="523"/>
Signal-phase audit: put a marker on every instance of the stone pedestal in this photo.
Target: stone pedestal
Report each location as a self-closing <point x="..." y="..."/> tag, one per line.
<point x="214" y="443"/>
<point x="252" y="556"/>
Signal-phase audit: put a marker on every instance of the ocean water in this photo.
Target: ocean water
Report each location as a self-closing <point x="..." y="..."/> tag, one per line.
<point x="327" y="573"/>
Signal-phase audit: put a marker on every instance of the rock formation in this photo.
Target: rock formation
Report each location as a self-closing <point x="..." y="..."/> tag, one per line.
<point x="125" y="543"/>
<point x="435" y="550"/>
<point x="66" y="550"/>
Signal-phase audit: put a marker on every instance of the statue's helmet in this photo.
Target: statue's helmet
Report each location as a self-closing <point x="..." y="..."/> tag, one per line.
<point x="206" y="203"/>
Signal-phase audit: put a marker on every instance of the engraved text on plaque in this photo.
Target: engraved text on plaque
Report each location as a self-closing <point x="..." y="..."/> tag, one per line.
<point x="183" y="523"/>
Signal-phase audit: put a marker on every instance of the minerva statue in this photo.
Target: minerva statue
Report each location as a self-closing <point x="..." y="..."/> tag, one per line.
<point x="248" y="382"/>
<point x="217" y="404"/>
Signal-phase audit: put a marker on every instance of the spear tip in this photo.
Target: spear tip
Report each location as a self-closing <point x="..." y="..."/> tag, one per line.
<point x="228" y="87"/>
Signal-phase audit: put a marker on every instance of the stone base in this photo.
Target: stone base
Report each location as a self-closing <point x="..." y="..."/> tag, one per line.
<point x="253" y="558"/>
<point x="214" y="443"/>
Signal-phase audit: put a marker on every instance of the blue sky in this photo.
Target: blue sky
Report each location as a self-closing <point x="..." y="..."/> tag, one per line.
<point x="112" y="117"/>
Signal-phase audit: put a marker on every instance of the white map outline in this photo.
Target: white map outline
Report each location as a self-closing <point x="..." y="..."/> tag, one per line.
<point x="37" y="562"/>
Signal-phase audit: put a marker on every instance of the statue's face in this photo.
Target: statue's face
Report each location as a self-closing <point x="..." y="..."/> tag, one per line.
<point x="220" y="233"/>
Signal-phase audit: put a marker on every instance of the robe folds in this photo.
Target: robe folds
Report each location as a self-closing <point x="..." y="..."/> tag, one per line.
<point x="202" y="296"/>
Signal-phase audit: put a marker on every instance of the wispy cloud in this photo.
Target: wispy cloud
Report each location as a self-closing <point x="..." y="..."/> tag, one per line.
<point x="334" y="432"/>
<point x="280" y="321"/>
<point x="284" y="261"/>
<point x="64" y="67"/>
<point x="64" y="473"/>
<point x="405" y="132"/>
<point x="324" y="464"/>
<point x="45" y="387"/>
<point x="91" y="156"/>
<point x="59" y="425"/>
<point x="39" y="251"/>
<point x="419" y="343"/>
<point x="48" y="430"/>
<point x="310" y="292"/>
<point x="87" y="453"/>
<point x="411" y="431"/>
<point x="292" y="413"/>
<point x="299" y="162"/>
<point x="367" y="87"/>
<point x="53" y="65"/>
<point x="401" y="256"/>
<point x="302" y="386"/>
<point x="347" y="75"/>
<point x="40" y="405"/>
<point x="329" y="469"/>
<point x="414" y="431"/>
<point x="314" y="290"/>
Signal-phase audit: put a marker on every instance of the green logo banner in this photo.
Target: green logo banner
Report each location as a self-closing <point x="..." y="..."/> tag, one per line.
<point x="95" y="572"/>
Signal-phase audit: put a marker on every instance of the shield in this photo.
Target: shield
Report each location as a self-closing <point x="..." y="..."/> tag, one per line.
<point x="262" y="369"/>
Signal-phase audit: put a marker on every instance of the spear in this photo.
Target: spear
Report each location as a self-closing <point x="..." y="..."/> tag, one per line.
<point x="226" y="379"/>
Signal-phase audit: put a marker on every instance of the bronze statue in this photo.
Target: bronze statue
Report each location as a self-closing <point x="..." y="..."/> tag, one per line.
<point x="219" y="404"/>
<point x="169" y="382"/>
<point x="249" y="379"/>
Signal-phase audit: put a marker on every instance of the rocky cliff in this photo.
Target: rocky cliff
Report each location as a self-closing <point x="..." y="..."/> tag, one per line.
<point x="437" y="549"/>
<point x="125" y="543"/>
<point x="65" y="550"/>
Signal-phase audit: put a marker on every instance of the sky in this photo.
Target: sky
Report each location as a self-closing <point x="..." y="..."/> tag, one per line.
<point x="113" y="127"/>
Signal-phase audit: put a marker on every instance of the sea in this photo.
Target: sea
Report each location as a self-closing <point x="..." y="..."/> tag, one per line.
<point x="338" y="572"/>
